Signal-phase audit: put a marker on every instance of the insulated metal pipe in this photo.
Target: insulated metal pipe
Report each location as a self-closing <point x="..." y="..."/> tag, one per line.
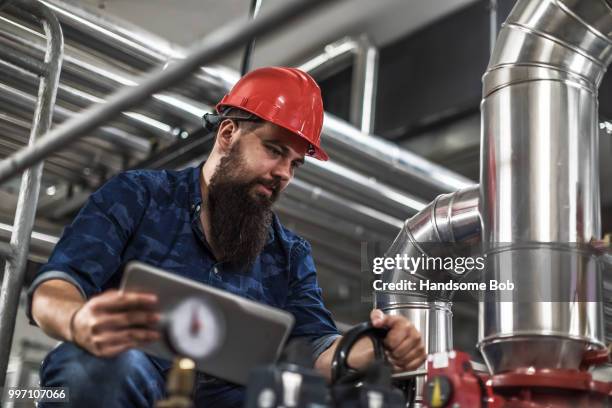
<point x="539" y="184"/>
<point x="319" y="217"/>
<point x="343" y="180"/>
<point x="14" y="271"/>
<point x="342" y="208"/>
<point x="396" y="165"/>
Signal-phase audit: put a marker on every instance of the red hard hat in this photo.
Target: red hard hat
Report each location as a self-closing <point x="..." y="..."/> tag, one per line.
<point x="287" y="97"/>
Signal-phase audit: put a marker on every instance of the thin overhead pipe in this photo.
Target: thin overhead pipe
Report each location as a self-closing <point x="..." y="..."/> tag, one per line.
<point x="335" y="57"/>
<point x="14" y="271"/>
<point x="24" y="61"/>
<point x="493" y="24"/>
<point x="216" y="45"/>
<point x="363" y="56"/>
<point x="116" y="136"/>
<point x="364" y="85"/>
<point x="246" y="58"/>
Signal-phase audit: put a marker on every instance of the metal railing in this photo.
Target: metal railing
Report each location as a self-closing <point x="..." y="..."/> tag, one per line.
<point x="16" y="254"/>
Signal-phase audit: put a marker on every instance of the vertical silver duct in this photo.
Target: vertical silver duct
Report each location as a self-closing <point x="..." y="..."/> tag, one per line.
<point x="449" y="225"/>
<point x="539" y="184"/>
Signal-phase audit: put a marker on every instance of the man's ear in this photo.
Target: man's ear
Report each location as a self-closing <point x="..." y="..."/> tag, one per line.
<point x="226" y="135"/>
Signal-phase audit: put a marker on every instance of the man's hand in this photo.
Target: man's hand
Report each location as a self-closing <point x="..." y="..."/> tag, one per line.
<point x="405" y="349"/>
<point x="114" y="321"/>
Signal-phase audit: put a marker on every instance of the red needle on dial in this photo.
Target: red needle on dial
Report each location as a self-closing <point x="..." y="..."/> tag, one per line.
<point x="196" y="324"/>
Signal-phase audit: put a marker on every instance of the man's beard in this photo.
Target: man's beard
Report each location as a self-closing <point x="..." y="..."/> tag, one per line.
<point x="239" y="217"/>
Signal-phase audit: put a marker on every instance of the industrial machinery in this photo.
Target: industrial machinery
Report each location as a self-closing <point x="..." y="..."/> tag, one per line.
<point x="293" y="382"/>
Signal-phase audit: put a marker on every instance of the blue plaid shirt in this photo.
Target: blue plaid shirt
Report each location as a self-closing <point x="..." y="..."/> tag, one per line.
<point x="154" y="217"/>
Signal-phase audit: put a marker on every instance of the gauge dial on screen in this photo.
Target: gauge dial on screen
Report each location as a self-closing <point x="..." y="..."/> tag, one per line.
<point x="195" y="329"/>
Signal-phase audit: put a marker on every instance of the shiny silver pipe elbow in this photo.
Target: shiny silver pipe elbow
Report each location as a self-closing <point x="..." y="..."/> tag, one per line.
<point x="449" y="225"/>
<point x="446" y="226"/>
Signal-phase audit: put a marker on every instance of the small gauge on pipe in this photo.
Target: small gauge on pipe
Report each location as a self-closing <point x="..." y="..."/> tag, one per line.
<point x="194" y="329"/>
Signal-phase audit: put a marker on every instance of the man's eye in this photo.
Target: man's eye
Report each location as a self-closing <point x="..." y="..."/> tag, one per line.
<point x="296" y="165"/>
<point x="274" y="150"/>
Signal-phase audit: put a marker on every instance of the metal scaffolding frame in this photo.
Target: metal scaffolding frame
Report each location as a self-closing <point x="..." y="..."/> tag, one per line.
<point x="212" y="47"/>
<point x="17" y="251"/>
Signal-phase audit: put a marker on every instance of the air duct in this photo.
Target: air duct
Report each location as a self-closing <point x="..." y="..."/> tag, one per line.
<point x="539" y="184"/>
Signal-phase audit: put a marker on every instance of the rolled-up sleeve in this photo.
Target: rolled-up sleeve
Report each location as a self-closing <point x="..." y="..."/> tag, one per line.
<point x="89" y="251"/>
<point x="312" y="320"/>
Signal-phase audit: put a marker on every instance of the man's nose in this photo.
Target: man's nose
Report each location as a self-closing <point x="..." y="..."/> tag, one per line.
<point x="283" y="170"/>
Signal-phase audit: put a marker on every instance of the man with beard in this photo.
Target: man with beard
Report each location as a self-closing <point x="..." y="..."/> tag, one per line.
<point x="214" y="224"/>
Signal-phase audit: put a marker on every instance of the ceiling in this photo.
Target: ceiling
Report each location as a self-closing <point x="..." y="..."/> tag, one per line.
<point x="185" y="21"/>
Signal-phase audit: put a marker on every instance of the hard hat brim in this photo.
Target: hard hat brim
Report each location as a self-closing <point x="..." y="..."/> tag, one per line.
<point x="318" y="154"/>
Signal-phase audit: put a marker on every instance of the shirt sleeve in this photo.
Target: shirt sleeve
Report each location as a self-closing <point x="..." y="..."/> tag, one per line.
<point x="89" y="251"/>
<point x="312" y="320"/>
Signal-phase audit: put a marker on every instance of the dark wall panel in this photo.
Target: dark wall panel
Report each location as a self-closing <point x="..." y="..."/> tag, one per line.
<point x="336" y="91"/>
<point x="434" y="73"/>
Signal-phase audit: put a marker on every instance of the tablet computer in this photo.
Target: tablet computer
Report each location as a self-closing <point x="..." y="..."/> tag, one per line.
<point x="226" y="335"/>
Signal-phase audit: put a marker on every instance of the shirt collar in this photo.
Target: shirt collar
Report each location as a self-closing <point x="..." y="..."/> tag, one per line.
<point x="195" y="194"/>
